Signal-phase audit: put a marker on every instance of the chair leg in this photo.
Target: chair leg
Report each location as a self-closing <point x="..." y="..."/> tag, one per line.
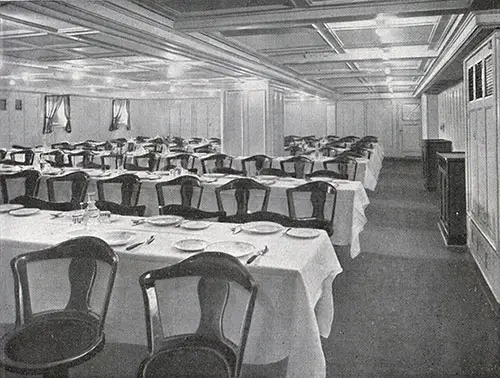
<point x="60" y="372"/>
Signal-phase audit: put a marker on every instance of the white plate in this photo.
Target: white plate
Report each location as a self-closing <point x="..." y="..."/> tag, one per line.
<point x="24" y="212"/>
<point x="303" y="233"/>
<point x="191" y="245"/>
<point x="267" y="177"/>
<point x="195" y="225"/>
<point x="234" y="176"/>
<point x="163" y="220"/>
<point x="234" y="248"/>
<point x="208" y="179"/>
<point x="267" y="182"/>
<point x="214" y="175"/>
<point x="286" y="178"/>
<point x="6" y="207"/>
<point x="98" y="174"/>
<point x="261" y="227"/>
<point x="151" y="177"/>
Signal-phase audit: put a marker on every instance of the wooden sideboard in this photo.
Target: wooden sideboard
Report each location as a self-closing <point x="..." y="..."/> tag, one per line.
<point x="451" y="178"/>
<point x="430" y="147"/>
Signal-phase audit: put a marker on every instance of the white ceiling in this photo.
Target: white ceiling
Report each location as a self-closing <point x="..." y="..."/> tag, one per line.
<point x="327" y="48"/>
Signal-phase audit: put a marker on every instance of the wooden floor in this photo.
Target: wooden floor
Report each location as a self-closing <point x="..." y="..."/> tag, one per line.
<point x="407" y="306"/>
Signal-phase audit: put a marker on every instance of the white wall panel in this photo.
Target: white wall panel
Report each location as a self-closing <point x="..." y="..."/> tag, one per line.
<point x="451" y="116"/>
<point x="255" y="128"/>
<point x="351" y="118"/>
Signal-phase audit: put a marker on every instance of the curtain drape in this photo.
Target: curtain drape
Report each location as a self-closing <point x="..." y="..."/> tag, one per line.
<point x="121" y="110"/>
<point x="52" y="103"/>
<point x="67" y="113"/>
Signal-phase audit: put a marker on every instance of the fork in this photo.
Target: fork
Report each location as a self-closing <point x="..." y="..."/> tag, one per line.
<point x="259" y="253"/>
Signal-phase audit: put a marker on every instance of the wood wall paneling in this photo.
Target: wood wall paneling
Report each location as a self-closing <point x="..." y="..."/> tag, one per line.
<point x="255" y="122"/>
<point x="451" y="116"/>
<point x="380" y="122"/>
<point x="233" y="123"/>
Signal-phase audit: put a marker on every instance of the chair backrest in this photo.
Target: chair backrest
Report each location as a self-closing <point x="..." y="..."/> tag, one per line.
<point x="56" y="158"/>
<point x="282" y="219"/>
<point x="3" y="153"/>
<point x="63" y="146"/>
<point x="298" y="165"/>
<point x="294" y="149"/>
<point x="227" y="171"/>
<point x="186" y="161"/>
<point x="343" y="164"/>
<point x="22" y="157"/>
<point x="253" y="164"/>
<point x="329" y="174"/>
<point x="29" y="201"/>
<point x="144" y="162"/>
<point x="130" y="188"/>
<point x="204" y="149"/>
<point x="111" y="160"/>
<point x="328" y="151"/>
<point x="81" y="159"/>
<point x="79" y="265"/>
<point x="26" y="180"/>
<point x="192" y="213"/>
<point x="217" y="274"/>
<point x="248" y="194"/>
<point x="316" y="199"/>
<point x="79" y="182"/>
<point x="188" y="188"/>
<point x="275" y="172"/>
<point x="215" y="161"/>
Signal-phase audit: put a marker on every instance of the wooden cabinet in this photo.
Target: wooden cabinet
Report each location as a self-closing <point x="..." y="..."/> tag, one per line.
<point x="482" y="83"/>
<point x="430" y="147"/>
<point x="451" y="178"/>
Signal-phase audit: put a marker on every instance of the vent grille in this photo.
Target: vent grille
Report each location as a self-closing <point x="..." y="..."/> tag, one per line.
<point x="488" y="76"/>
<point x="479" y="79"/>
<point x="471" y="83"/>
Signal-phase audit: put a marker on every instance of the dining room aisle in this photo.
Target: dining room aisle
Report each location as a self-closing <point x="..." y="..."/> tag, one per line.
<point x="408" y="305"/>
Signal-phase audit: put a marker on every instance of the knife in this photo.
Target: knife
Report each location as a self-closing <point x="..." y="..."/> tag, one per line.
<point x="148" y="241"/>
<point x="259" y="253"/>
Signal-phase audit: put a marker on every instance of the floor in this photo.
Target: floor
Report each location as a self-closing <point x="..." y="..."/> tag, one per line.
<point x="407" y="306"/>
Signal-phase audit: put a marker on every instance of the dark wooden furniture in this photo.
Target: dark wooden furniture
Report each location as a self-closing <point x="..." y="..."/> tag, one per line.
<point x="31" y="179"/>
<point x="430" y="147"/>
<point x="130" y="188"/>
<point x="64" y="332"/>
<point x="215" y="161"/>
<point x="346" y="166"/>
<point x="298" y="165"/>
<point x="252" y="165"/>
<point x="244" y="190"/>
<point x="79" y="183"/>
<point x="184" y="190"/>
<point x="451" y="177"/>
<point x="191" y="213"/>
<point x="206" y="351"/>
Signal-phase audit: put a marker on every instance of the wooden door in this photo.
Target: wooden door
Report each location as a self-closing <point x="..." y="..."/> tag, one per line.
<point x="409" y="126"/>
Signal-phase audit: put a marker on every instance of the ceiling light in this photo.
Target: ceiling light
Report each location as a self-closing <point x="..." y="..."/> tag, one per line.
<point x="12" y="82"/>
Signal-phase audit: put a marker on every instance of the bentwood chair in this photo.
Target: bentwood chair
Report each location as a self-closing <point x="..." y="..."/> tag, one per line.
<point x="344" y="165"/>
<point x="298" y="165"/>
<point x="144" y="162"/>
<point x="59" y="316"/>
<point x="205" y="349"/>
<point x="75" y="183"/>
<point x="242" y="194"/>
<point x="329" y="174"/>
<point x="185" y="160"/>
<point x="284" y="220"/>
<point x="184" y="190"/>
<point x="215" y="161"/>
<point x="26" y="180"/>
<point x="252" y="165"/>
<point x="315" y="199"/>
<point x="274" y="172"/>
<point x="129" y="188"/>
<point x="21" y="157"/>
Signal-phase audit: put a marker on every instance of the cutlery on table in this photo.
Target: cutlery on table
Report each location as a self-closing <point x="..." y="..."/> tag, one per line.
<point x="259" y="253"/>
<point x="147" y="241"/>
<point x="57" y="215"/>
<point x="285" y="231"/>
<point x="236" y="229"/>
<point x="136" y="222"/>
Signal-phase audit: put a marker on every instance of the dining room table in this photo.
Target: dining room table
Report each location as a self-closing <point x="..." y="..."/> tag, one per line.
<point x="295" y="304"/>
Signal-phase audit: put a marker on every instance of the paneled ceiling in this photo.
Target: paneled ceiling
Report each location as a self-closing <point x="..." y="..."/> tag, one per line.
<point x="324" y="48"/>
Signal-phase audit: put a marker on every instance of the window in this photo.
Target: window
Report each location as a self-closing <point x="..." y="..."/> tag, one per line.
<point x="121" y="114"/>
<point x="57" y="113"/>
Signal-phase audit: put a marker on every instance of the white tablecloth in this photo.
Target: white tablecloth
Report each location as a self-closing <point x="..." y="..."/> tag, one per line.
<point x="294" y="306"/>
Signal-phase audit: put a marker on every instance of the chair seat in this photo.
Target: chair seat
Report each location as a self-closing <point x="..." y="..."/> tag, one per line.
<point x="51" y="338"/>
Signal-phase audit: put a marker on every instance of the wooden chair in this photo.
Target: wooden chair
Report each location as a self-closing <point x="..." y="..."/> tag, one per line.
<point x="31" y="179"/>
<point x="130" y="188"/>
<point x="82" y="159"/>
<point x="274" y="172"/>
<point x="317" y="199"/>
<point x="192" y="213"/>
<point x="144" y="162"/>
<point x="79" y="182"/>
<point x="56" y="158"/>
<point x="205" y="149"/>
<point x="188" y="188"/>
<point x="206" y="351"/>
<point x="49" y="338"/>
<point x="215" y="161"/>
<point x="111" y="160"/>
<point x="63" y="146"/>
<point x="344" y="165"/>
<point x="185" y="160"/>
<point x="252" y="165"/>
<point x="227" y="171"/>
<point x="30" y="201"/>
<point x="3" y="153"/>
<point x="284" y="220"/>
<point x="329" y="174"/>
<point x="27" y="156"/>
<point x="328" y="151"/>
<point x="244" y="189"/>
<point x="298" y="166"/>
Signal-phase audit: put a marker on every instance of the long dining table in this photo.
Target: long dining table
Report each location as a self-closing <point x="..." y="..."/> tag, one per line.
<point x="348" y="222"/>
<point x="294" y="307"/>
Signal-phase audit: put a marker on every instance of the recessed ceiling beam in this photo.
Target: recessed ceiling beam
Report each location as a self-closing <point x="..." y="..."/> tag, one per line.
<point x="356" y="74"/>
<point x="306" y="16"/>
